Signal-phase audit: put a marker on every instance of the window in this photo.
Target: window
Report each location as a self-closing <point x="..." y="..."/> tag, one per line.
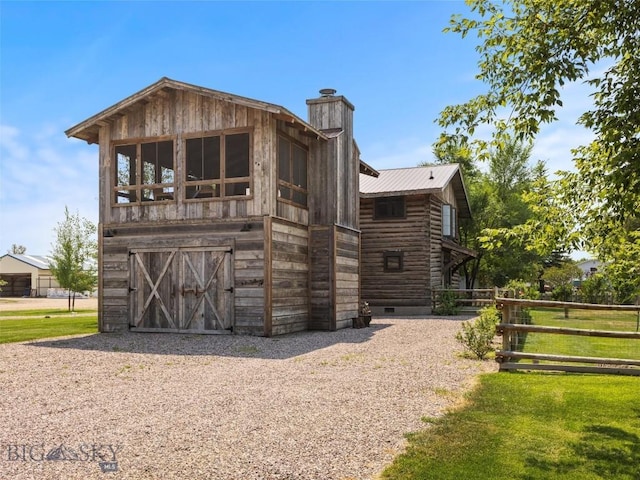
<point x="389" y="207"/>
<point x="393" y="261"/>
<point x="218" y="166"/>
<point x="144" y="172"/>
<point x="292" y="171"/>
<point x="449" y="226"/>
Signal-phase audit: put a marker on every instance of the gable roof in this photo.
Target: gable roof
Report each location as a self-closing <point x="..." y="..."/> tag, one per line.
<point x="89" y="128"/>
<point x="41" y="262"/>
<point x="415" y="181"/>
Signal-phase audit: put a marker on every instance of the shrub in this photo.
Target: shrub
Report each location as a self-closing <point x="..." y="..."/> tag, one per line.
<point x="447" y="304"/>
<point x="523" y="289"/>
<point x="562" y="293"/>
<point x="477" y="336"/>
<point x="595" y="289"/>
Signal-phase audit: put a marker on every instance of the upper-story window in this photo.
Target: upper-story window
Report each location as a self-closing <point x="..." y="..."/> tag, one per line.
<point x="389" y="207"/>
<point x="144" y="172"/>
<point x="218" y="165"/>
<point x="292" y="171"/>
<point x="449" y="225"/>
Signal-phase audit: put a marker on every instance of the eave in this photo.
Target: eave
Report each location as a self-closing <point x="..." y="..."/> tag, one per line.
<point x="88" y="130"/>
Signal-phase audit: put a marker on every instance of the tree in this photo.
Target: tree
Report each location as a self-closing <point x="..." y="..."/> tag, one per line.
<point x="528" y="51"/>
<point x="18" y="249"/>
<point x="74" y="255"/>
<point x="495" y="199"/>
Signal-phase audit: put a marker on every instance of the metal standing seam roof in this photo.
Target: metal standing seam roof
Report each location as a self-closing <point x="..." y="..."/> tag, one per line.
<point x="416" y="180"/>
<point x="39" y="261"/>
<point x="408" y="180"/>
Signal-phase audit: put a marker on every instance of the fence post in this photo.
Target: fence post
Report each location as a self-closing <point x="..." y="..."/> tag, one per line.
<point x="506" y="334"/>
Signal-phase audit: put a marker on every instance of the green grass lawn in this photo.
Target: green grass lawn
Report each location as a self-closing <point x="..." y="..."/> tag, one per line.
<point x="588" y="319"/>
<point x="585" y="346"/>
<point x="36" y="326"/>
<point x="532" y="427"/>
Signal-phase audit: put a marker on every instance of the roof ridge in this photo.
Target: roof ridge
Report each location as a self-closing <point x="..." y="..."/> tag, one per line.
<point x="418" y="166"/>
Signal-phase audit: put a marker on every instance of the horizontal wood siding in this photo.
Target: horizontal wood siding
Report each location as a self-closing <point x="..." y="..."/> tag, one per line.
<point x="347" y="284"/>
<point x="322" y="267"/>
<point x="409" y="235"/>
<point x="289" y="277"/>
<point x="247" y="239"/>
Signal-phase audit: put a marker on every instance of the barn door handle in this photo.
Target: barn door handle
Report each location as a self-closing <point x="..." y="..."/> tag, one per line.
<point x="230" y="289"/>
<point x="131" y="289"/>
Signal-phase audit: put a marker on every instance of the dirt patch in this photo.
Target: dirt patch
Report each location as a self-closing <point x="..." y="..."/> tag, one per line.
<point x="8" y="304"/>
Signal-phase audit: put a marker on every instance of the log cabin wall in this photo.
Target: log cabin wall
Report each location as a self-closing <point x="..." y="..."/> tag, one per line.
<point x="435" y="243"/>
<point x="411" y="237"/>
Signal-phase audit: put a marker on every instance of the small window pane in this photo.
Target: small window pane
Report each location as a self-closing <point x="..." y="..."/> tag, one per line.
<point x="211" y="166"/>
<point x="284" y="159"/>
<point x="446" y="220"/>
<point x="203" y="191"/>
<point x="237" y="155"/>
<point x="236" y="189"/>
<point x="147" y="195"/>
<point x="125" y="165"/>
<point x="393" y="261"/>
<point x="194" y="164"/>
<point x="165" y="162"/>
<point x="150" y="172"/>
<point x="299" y="198"/>
<point x="125" y="196"/>
<point x="299" y="167"/>
<point x="284" y="193"/>
<point x="389" y="207"/>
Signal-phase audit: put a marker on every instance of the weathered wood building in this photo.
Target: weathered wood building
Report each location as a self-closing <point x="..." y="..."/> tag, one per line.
<point x="409" y="220"/>
<point x="220" y="213"/>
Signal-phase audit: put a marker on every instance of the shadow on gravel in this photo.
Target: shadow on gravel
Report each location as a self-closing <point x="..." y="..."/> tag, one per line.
<point x="281" y="347"/>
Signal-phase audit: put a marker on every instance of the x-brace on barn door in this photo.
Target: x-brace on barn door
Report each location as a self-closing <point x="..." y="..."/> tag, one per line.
<point x="182" y="289"/>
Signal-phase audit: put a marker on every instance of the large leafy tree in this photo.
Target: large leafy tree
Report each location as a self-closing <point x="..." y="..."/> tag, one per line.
<point x="528" y="50"/>
<point x="495" y="198"/>
<point x="74" y="254"/>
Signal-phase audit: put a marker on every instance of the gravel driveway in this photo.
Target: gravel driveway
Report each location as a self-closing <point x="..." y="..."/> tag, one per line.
<point x="313" y="405"/>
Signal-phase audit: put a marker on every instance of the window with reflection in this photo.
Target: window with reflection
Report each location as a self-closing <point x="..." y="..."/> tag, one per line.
<point x="144" y="172"/>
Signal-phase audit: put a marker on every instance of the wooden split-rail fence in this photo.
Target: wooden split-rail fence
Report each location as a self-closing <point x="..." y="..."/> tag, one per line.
<point x="570" y="337"/>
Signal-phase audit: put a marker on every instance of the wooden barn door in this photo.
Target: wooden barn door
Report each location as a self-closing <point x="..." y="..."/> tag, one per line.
<point x="182" y="289"/>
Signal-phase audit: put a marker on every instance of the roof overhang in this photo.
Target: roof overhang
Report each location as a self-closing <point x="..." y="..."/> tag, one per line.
<point x="89" y="129"/>
<point x="448" y="244"/>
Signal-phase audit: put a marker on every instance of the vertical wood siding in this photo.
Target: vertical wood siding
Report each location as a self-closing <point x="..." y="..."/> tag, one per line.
<point x="174" y="114"/>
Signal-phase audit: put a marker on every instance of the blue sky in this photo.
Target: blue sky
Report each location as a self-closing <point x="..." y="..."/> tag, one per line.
<point x="62" y="62"/>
